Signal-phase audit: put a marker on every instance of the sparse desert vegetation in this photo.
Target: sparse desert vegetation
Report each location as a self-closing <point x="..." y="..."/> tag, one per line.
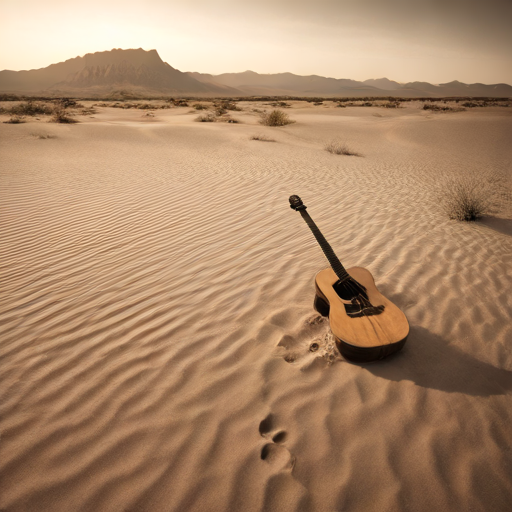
<point x="60" y="115"/>
<point x="276" y="118"/>
<point x="392" y="104"/>
<point x="281" y="104"/>
<point x="140" y="106"/>
<point x="336" y="147"/>
<point x="208" y="117"/>
<point x="469" y="198"/>
<point x="178" y="102"/>
<point x="441" y="108"/>
<point x="43" y="136"/>
<point x="30" y="108"/>
<point x="16" y="120"/>
<point x="263" y="138"/>
<point x="230" y="105"/>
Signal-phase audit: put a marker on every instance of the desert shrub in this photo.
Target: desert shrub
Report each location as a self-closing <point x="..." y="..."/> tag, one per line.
<point x="337" y="147"/>
<point x="340" y="105"/>
<point x="276" y="118"/>
<point x="31" y="108"/>
<point x="229" y="105"/>
<point x="200" y="106"/>
<point x="281" y="104"/>
<point x="318" y="103"/>
<point x="61" y="116"/>
<point x="16" y="120"/>
<point x="9" y="97"/>
<point x="66" y="102"/>
<point x="470" y="197"/>
<point x="263" y="138"/>
<point x="392" y="104"/>
<point x="220" y="110"/>
<point x="439" y="108"/>
<point x="88" y="111"/>
<point x="43" y="136"/>
<point x="209" y="117"/>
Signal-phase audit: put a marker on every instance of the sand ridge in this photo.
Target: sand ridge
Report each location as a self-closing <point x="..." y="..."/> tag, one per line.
<point x="156" y="310"/>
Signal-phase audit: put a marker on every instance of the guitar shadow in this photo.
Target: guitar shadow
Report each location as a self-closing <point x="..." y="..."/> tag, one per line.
<point x="428" y="361"/>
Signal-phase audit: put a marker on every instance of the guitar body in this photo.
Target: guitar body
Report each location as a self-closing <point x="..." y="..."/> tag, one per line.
<point x="361" y="338"/>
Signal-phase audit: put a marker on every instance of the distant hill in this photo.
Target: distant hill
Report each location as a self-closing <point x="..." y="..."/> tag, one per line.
<point x="133" y="71"/>
<point x="144" y="73"/>
<point x="251" y="83"/>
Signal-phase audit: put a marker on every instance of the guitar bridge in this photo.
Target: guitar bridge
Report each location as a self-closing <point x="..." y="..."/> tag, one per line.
<point x="359" y="306"/>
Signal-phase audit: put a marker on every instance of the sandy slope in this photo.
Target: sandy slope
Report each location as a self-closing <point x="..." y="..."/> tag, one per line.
<point x="156" y="309"/>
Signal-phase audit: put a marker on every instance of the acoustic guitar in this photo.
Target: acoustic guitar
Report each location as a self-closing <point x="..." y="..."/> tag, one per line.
<point x="366" y="325"/>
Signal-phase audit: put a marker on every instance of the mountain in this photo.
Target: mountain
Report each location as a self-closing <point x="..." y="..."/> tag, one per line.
<point x="383" y="83"/>
<point x="144" y="73"/>
<point x="251" y="83"/>
<point x="134" y="71"/>
<point x="38" y="79"/>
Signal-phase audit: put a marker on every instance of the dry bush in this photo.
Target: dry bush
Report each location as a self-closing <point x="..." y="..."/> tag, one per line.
<point x="282" y="104"/>
<point x="67" y="102"/>
<point x="87" y="111"/>
<point x="470" y="197"/>
<point x="16" y="120"/>
<point x="200" y="106"/>
<point x="209" y="117"/>
<point x="230" y="105"/>
<point x="439" y="108"/>
<point x="276" y="118"/>
<point x="263" y="138"/>
<point x="31" y="108"/>
<point x="43" y="136"/>
<point x="392" y="104"/>
<point x="61" y="116"/>
<point x="471" y="104"/>
<point x="337" y="147"/>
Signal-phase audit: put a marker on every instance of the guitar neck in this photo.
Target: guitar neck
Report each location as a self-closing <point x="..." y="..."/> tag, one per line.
<point x="339" y="269"/>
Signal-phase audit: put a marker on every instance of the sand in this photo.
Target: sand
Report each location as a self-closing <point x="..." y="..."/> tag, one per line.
<point x="156" y="315"/>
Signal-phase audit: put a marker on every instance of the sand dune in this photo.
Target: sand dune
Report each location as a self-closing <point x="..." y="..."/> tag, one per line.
<point x="156" y="315"/>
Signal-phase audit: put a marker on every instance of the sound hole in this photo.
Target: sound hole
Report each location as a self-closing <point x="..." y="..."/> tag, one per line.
<point x="360" y="305"/>
<point x="347" y="291"/>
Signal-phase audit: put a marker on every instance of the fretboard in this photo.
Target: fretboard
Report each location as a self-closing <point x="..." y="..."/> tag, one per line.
<point x="335" y="263"/>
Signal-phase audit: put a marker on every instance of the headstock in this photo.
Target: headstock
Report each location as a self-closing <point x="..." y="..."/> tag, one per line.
<point x="296" y="203"/>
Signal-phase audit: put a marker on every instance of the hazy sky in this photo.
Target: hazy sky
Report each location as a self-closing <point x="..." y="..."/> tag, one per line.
<point x="405" y="40"/>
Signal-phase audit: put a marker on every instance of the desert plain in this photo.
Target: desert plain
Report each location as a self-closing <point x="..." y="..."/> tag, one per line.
<point x="157" y="313"/>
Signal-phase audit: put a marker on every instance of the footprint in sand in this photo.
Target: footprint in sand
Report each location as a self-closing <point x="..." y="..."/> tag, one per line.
<point x="311" y="344"/>
<point x="274" y="452"/>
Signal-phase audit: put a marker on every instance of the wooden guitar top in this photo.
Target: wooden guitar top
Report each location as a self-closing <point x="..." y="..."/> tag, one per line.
<point x="389" y="326"/>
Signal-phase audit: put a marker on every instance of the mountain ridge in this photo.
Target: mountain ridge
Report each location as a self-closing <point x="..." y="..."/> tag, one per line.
<point x="145" y="73"/>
